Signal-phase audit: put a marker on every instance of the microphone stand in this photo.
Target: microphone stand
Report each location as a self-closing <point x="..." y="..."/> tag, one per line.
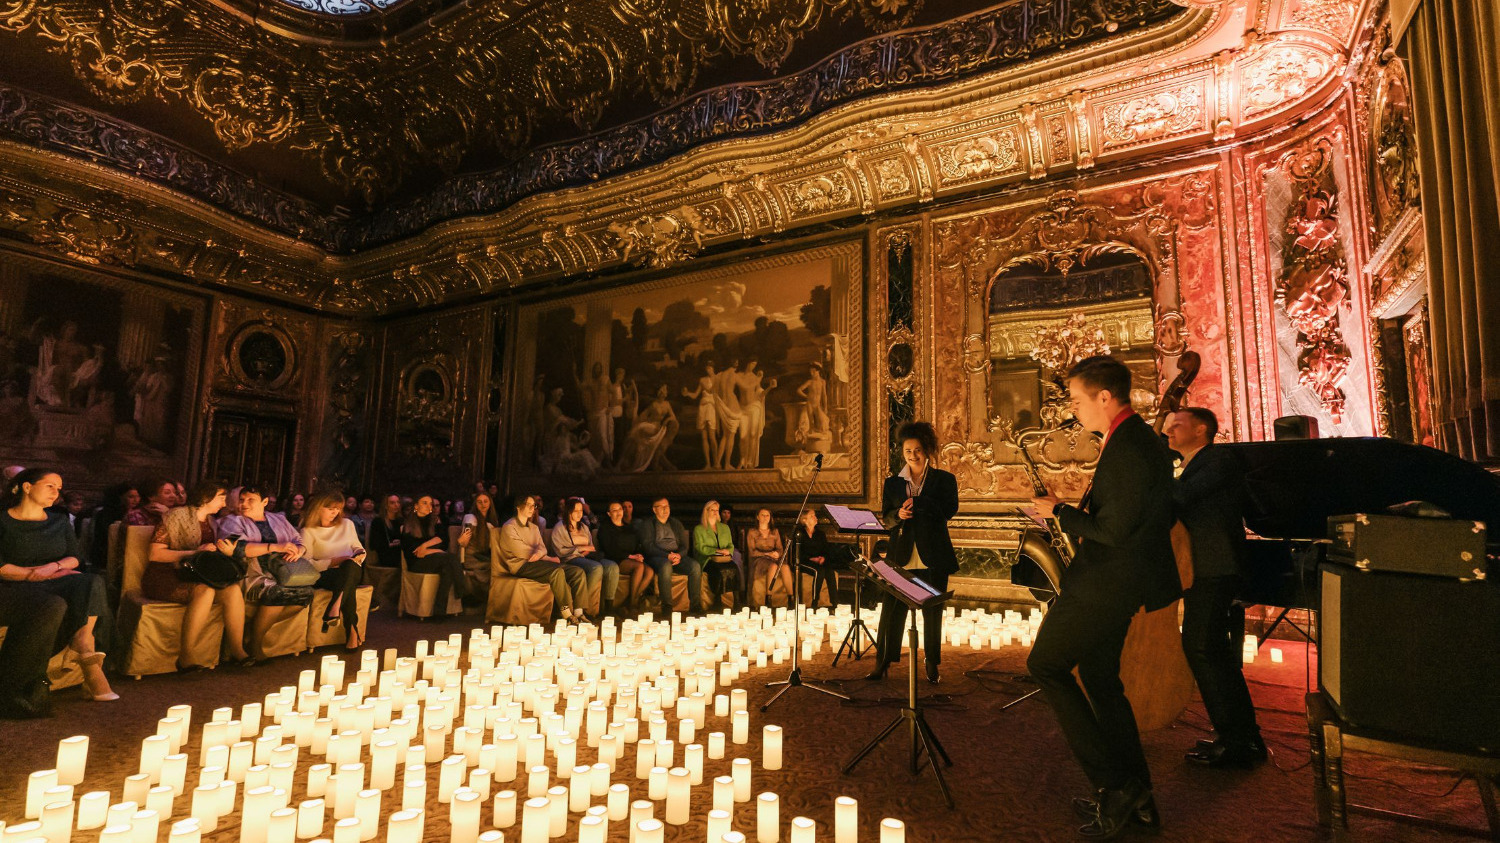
<point x="794" y="679"/>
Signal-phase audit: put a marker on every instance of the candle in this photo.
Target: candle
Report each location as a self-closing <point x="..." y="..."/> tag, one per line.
<point x="57" y="820"/>
<point x="618" y="802"/>
<point x="348" y="784"/>
<point x="640" y="811"/>
<point x="414" y="795"/>
<point x="450" y="776"/>
<point x="159" y="799"/>
<point x="732" y="837"/>
<point x="346" y="831"/>
<point x="741" y="726"/>
<point x="36" y="785"/>
<point x="282" y="827"/>
<point x="645" y="758"/>
<point x="771" y="746"/>
<point x="724" y="794"/>
<point x="739" y="700"/>
<point x="110" y="834"/>
<point x="186" y="831"/>
<point x="649" y="831"/>
<point x="506" y="755"/>
<point x="739" y="768"/>
<point x="154" y="749"/>
<point x="718" y="824"/>
<point x="174" y="772"/>
<point x="1276" y="658"/>
<point x="557" y="811"/>
<point x="383" y="765"/>
<point x="609" y="750"/>
<point x="845" y="820"/>
<point x="310" y="816"/>
<point x="93" y="807"/>
<point x="679" y="792"/>
<point x="367" y="811"/>
<point x="804" y="830"/>
<point x="256" y="815"/>
<point x="715" y="745"/>
<point x="599" y="780"/>
<point x="592" y="830"/>
<point x="505" y="809"/>
<point x="537" y="781"/>
<point x="404" y="827"/>
<point x="317" y="779"/>
<point x="144" y="826"/>
<point x="892" y="831"/>
<point x="721" y="709"/>
<point x="463" y="814"/>
<point x="665" y="750"/>
<point x="72" y="759"/>
<point x="656" y="784"/>
<point x="767" y="818"/>
<point x="479" y="782"/>
<point x="579" y="788"/>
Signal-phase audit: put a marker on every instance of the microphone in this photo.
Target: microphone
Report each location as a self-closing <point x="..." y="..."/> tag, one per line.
<point x="818" y="461"/>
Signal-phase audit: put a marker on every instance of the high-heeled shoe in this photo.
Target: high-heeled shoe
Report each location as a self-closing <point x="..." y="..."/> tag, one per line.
<point x="91" y="658"/>
<point x="330" y="620"/>
<point x="107" y="696"/>
<point x="878" y="673"/>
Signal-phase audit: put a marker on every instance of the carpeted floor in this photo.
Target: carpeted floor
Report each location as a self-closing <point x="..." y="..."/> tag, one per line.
<point x="1012" y="775"/>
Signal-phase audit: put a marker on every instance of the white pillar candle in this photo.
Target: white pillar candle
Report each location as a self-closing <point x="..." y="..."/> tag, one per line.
<point x="159" y="799"/>
<point x="383" y="765"/>
<point x="567" y="754"/>
<point x="580" y="786"/>
<point x="718" y="824"/>
<point x="404" y="827"/>
<point x="687" y="731"/>
<point x="57" y="821"/>
<point x="666" y="752"/>
<point x="504" y="809"/>
<point x="479" y="782"/>
<point x="771" y="747"/>
<point x="282" y="826"/>
<point x="618" y="802"/>
<point x="36" y="785"/>
<point x="557" y="811"/>
<point x="1277" y="657"/>
<point x="739" y="700"/>
<point x="507" y="748"/>
<point x="367" y="811"/>
<point x="732" y="837"/>
<point x="119" y="814"/>
<point x="348" y="784"/>
<point x="186" y="831"/>
<point x="804" y="830"/>
<point x="592" y="830"/>
<point x="92" y="809"/>
<point x="739" y="768"/>
<point x="715" y="745"/>
<point x="741" y="726"/>
<point x="205" y="807"/>
<point x="892" y="831"/>
<point x="145" y="826"/>
<point x="537" y="781"/>
<point x="317" y="779"/>
<point x="258" y="775"/>
<point x="609" y="750"/>
<point x="640" y="811"/>
<point x="414" y="795"/>
<point x="450" y="777"/>
<point x="310" y="816"/>
<point x="227" y="793"/>
<point x="721" y="709"/>
<point x="650" y="831"/>
<point x="645" y="757"/>
<point x="72" y="759"/>
<point x="110" y="833"/>
<point x="241" y="754"/>
<point x="153" y="750"/>
<point x="463" y="815"/>
<point x="656" y="784"/>
<point x="767" y="818"/>
<point x="492" y="837"/>
<point x="346" y="831"/>
<point x="845" y="820"/>
<point x="724" y="794"/>
<point x="599" y="780"/>
<point x="679" y="795"/>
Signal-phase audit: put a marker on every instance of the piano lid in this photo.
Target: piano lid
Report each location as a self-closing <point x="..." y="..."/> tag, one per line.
<point x="1293" y="486"/>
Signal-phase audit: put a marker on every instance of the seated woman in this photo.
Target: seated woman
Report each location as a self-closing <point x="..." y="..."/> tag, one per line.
<point x="424" y="539"/>
<point x="713" y="547"/>
<point x="818" y="556"/>
<point x="186" y="531"/>
<point x="577" y="546"/>
<point x="385" y="533"/>
<point x="38" y="561"/>
<point x="617" y="540"/>
<point x="267" y="538"/>
<point x="334" y="548"/>
<point x="767" y="553"/>
<point x="163" y="496"/>
<point x="478" y="524"/>
<point x="524" y="554"/>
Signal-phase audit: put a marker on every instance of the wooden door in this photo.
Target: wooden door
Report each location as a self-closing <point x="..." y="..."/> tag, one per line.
<point x="250" y="449"/>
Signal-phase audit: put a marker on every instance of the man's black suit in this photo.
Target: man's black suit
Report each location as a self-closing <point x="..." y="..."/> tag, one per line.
<point x="1209" y="496"/>
<point x="1124" y="561"/>
<point x="927" y="531"/>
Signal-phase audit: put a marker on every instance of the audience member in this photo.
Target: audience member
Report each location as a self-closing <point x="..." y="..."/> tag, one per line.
<point x="629" y="507"/>
<point x="269" y="543"/>
<point x="163" y="496"/>
<point x="577" y="546"/>
<point x="819" y="556"/>
<point x="664" y="542"/>
<point x="119" y="499"/>
<point x="38" y="560"/>
<point x="296" y="507"/>
<point x="385" y="533"/>
<point x="768" y="554"/>
<point x="618" y="541"/>
<point x="334" y="548"/>
<point x="713" y="547"/>
<point x="183" y="551"/>
<point x="524" y="554"/>
<point x="478" y="525"/>
<point x="424" y="539"/>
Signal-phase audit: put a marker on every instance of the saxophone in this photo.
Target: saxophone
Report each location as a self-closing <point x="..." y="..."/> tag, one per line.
<point x="1051" y="549"/>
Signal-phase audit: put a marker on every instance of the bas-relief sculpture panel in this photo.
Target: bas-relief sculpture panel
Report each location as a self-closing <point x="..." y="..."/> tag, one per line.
<point x="716" y="381"/>
<point x="97" y="375"/>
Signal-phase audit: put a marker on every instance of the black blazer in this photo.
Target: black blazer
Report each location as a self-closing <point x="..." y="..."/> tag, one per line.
<point x="928" y="527"/>
<point x="1210" y="499"/>
<point x="1125" y="524"/>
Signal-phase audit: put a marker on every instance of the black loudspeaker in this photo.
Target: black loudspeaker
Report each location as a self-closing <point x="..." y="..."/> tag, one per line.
<point x="1294" y="427"/>
<point x="1415" y="656"/>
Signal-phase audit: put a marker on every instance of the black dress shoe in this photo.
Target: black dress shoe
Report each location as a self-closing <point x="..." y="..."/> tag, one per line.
<point x="1117" y="808"/>
<point x="1146" y="816"/>
<point x="878" y="673"/>
<point x="932" y="673"/>
<point x="1239" y="756"/>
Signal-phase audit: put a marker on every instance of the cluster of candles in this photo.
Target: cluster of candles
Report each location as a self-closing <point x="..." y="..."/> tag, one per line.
<point x="497" y="731"/>
<point x="1252" y="647"/>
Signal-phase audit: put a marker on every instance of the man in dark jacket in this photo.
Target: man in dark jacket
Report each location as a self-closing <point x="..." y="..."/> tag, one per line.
<point x="1124" y="561"/>
<point x="664" y="542"/>
<point x="1210" y="501"/>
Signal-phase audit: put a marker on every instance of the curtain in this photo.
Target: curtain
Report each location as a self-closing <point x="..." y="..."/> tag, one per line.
<point x="1452" y="53"/>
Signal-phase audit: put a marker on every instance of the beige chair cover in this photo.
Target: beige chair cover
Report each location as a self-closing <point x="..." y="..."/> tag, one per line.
<point x="779" y="597"/>
<point x="419" y="592"/>
<point x="387" y="585"/>
<point x="316" y="637"/>
<point x="287" y="637"/>
<point x="515" y="600"/>
<point x="153" y="629"/>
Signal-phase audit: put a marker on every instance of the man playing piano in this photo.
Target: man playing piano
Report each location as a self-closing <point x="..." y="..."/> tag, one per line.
<point x="1210" y="498"/>
<point x="1124" y="561"/>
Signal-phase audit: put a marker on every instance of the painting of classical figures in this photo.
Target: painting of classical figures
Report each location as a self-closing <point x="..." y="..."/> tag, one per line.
<point x="92" y="371"/>
<point x="751" y="368"/>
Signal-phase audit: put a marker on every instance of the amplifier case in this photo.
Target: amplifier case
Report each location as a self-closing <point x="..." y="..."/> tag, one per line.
<point x="1440" y="547"/>
<point x="1414" y="655"/>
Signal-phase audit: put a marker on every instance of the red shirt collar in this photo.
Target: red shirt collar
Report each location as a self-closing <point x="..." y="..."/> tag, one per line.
<point x="1124" y="414"/>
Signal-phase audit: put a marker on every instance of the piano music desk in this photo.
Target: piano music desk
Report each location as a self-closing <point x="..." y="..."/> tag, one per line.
<point x="1329" y="737"/>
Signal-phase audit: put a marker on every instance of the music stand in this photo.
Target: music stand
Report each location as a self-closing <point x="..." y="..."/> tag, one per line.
<point x="863" y="524"/>
<point x="917" y="596"/>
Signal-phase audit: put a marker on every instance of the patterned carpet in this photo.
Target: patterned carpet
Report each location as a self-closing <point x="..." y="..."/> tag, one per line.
<point x="1012" y="776"/>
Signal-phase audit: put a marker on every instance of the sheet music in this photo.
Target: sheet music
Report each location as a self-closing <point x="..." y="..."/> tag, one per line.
<point x="848" y="518"/>
<point x="913" y="589"/>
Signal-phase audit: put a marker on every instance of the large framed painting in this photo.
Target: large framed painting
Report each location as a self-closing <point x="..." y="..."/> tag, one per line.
<point x="724" y="381"/>
<point x="97" y="374"/>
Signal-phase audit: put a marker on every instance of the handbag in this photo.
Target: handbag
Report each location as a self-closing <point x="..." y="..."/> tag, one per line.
<point x="213" y="569"/>
<point x="298" y="574"/>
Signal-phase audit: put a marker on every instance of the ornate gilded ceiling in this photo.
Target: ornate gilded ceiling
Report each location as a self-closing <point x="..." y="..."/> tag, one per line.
<point x="520" y="97"/>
